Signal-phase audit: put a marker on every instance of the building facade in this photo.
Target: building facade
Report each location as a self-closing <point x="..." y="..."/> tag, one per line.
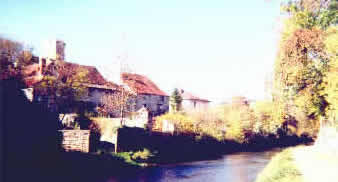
<point x="191" y="102"/>
<point x="147" y="94"/>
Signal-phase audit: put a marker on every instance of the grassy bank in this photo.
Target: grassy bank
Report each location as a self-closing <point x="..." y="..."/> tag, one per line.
<point x="142" y="158"/>
<point x="318" y="162"/>
<point x="158" y="149"/>
<point x="192" y="140"/>
<point x="282" y="168"/>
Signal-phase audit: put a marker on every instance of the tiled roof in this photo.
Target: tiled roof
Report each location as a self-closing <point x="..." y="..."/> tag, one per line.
<point x="111" y="86"/>
<point x="189" y="96"/>
<point x="141" y="84"/>
<point x="93" y="76"/>
<point x="66" y="70"/>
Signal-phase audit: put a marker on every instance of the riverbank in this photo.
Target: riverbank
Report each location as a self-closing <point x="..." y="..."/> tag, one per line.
<point x="281" y="168"/>
<point x="178" y="149"/>
<point x="301" y="164"/>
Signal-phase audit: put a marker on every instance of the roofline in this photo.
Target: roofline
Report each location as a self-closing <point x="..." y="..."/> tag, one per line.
<point x="98" y="86"/>
<point x="153" y="94"/>
<point x="198" y="100"/>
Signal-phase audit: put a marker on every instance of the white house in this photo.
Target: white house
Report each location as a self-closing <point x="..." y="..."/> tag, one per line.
<point x="191" y="102"/>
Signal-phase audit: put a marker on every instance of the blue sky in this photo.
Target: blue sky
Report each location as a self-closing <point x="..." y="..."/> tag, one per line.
<point x="215" y="49"/>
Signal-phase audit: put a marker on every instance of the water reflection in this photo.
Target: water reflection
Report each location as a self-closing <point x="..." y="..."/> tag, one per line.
<point x="241" y="167"/>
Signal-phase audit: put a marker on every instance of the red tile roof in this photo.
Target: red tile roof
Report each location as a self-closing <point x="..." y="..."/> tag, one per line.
<point x="66" y="70"/>
<point x="141" y="84"/>
<point x="93" y="75"/>
<point x="189" y="96"/>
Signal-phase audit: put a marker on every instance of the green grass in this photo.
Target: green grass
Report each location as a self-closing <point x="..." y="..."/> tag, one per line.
<point x="127" y="158"/>
<point x="138" y="158"/>
<point x="281" y="168"/>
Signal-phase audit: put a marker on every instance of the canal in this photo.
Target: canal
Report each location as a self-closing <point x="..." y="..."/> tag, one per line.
<point x="239" y="167"/>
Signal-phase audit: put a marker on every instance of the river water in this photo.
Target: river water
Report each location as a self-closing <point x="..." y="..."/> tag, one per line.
<point x="239" y="167"/>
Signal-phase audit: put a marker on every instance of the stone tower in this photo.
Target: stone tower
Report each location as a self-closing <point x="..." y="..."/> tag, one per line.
<point x="60" y="50"/>
<point x="55" y="50"/>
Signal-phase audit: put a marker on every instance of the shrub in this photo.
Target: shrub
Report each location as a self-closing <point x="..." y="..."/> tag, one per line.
<point x="183" y="123"/>
<point x="142" y="156"/>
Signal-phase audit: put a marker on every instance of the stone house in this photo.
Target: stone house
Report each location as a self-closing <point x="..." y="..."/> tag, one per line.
<point x="191" y="102"/>
<point x="55" y="65"/>
<point x="147" y="92"/>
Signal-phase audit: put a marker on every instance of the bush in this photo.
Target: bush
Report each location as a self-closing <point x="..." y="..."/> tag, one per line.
<point x="182" y="122"/>
<point x="142" y="156"/>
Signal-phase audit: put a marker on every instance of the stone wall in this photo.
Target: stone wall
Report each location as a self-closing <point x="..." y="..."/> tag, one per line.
<point x="194" y="105"/>
<point x="75" y="140"/>
<point x="155" y="103"/>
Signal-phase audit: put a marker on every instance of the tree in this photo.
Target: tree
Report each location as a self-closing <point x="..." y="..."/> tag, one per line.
<point x="331" y="90"/>
<point x="265" y="122"/>
<point x="121" y="101"/>
<point x="303" y="62"/>
<point x="14" y="56"/>
<point x="176" y="100"/>
<point x="67" y="86"/>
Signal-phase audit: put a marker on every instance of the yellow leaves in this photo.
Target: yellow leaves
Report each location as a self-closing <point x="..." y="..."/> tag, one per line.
<point x="235" y="132"/>
<point x="239" y="120"/>
<point x="304" y="19"/>
<point x="268" y="116"/>
<point x="331" y="42"/>
<point x="182" y="122"/>
<point x="331" y="90"/>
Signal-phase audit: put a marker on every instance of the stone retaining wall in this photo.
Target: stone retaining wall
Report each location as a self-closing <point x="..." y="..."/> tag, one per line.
<point x="75" y="140"/>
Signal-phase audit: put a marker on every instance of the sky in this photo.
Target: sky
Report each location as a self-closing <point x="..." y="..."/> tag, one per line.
<point x="214" y="49"/>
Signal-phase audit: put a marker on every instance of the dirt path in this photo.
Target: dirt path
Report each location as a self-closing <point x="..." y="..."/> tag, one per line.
<point x="317" y="163"/>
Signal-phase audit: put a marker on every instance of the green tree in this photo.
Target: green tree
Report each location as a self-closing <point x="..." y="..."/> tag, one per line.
<point x="331" y="79"/>
<point x="14" y="56"/>
<point x="176" y="100"/>
<point x="265" y="123"/>
<point x="66" y="86"/>
<point x="302" y="62"/>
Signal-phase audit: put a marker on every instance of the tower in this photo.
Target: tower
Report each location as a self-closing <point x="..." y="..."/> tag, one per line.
<point x="55" y="50"/>
<point x="60" y="50"/>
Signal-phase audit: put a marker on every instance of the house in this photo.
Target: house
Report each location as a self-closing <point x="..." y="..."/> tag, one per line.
<point x="147" y="92"/>
<point x="56" y="66"/>
<point x="191" y="102"/>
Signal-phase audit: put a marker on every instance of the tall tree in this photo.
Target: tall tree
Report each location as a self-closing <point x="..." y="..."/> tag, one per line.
<point x="66" y="86"/>
<point x="331" y="89"/>
<point x="14" y="56"/>
<point x="119" y="102"/>
<point x="302" y="62"/>
<point x="176" y="100"/>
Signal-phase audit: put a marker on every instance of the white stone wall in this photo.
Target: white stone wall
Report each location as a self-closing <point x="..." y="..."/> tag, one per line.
<point x="194" y="105"/>
<point x="155" y="103"/>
